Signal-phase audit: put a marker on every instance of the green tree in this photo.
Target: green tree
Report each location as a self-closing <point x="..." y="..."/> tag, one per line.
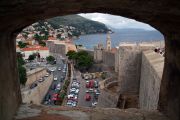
<point x="42" y="43"/>
<point x="72" y="55"/>
<point x="22" y="74"/>
<point x="50" y="59"/>
<point x="21" y="44"/>
<point x="21" y="69"/>
<point x="32" y="57"/>
<point x="82" y="59"/>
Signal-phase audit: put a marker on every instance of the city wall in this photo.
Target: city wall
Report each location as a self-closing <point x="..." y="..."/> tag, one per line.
<point x="108" y="58"/>
<point x="129" y="69"/>
<point x="140" y="72"/>
<point x="107" y="98"/>
<point x="37" y="94"/>
<point x="34" y="75"/>
<point x="129" y="66"/>
<point x="151" y="75"/>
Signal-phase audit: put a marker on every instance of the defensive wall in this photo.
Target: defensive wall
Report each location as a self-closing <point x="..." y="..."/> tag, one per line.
<point x="140" y="71"/>
<point x="108" y="58"/>
<point x="37" y="94"/>
<point x="129" y="66"/>
<point x="34" y="75"/>
<point x="151" y="75"/>
<point x="109" y="94"/>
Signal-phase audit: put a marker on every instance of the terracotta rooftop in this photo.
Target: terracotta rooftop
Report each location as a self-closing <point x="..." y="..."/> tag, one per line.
<point x="33" y="49"/>
<point x="51" y="38"/>
<point x="113" y="50"/>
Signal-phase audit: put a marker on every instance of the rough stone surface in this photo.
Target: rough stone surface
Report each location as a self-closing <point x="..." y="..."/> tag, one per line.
<point x="151" y="75"/>
<point x="37" y="94"/>
<point x="164" y="15"/>
<point x="65" y="113"/>
<point x="34" y="75"/>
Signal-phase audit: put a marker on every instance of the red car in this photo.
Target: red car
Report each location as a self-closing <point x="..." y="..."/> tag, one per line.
<point x="91" y="83"/>
<point x="55" y="97"/>
<point x="87" y="85"/>
<point x="87" y="97"/>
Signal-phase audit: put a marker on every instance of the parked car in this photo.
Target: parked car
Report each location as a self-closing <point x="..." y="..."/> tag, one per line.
<point x="58" y="87"/>
<point x="74" y="103"/>
<point x="87" y="97"/>
<point x="55" y="97"/>
<point x="59" y="69"/>
<point x="33" y="85"/>
<point x="41" y="80"/>
<point x="97" y="92"/>
<point x="55" y="78"/>
<point x="72" y="90"/>
<point x="70" y="96"/>
<point x="91" y="90"/>
<point x="47" y="74"/>
<point x="94" y="104"/>
<point x="96" y="84"/>
<point x="77" y="91"/>
<point x="53" y="87"/>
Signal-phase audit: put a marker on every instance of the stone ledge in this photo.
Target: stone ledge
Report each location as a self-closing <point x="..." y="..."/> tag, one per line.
<point x="34" y="112"/>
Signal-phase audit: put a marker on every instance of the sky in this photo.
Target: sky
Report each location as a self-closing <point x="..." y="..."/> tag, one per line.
<point x="117" y="22"/>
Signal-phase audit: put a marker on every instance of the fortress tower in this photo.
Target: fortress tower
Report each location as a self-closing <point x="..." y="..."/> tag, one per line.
<point x="108" y="42"/>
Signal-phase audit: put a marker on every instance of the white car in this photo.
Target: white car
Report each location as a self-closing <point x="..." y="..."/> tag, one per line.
<point x="47" y="74"/>
<point x="94" y="104"/>
<point x="91" y="90"/>
<point x="75" y="97"/>
<point x="74" y="104"/>
<point x="70" y="96"/>
<point x="41" y="80"/>
<point x="72" y="90"/>
<point x="55" y="78"/>
<point x="77" y="91"/>
<point x="58" y="87"/>
<point x="69" y="103"/>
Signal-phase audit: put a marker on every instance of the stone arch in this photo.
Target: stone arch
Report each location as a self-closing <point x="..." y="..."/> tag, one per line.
<point x="163" y="15"/>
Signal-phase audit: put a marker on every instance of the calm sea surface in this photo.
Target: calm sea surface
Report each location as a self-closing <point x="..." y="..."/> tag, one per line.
<point x="89" y="41"/>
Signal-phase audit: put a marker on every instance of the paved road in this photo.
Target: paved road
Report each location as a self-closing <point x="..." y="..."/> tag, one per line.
<point x="57" y="74"/>
<point x="82" y="92"/>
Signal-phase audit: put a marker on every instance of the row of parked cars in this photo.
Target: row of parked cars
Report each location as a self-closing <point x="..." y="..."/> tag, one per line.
<point x="35" y="84"/>
<point x="92" y="91"/>
<point x="73" y="93"/>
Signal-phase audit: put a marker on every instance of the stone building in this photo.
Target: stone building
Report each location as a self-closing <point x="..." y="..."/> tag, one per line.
<point x="108" y="42"/>
<point x="98" y="53"/>
<point x="105" y="55"/>
<point x="59" y="49"/>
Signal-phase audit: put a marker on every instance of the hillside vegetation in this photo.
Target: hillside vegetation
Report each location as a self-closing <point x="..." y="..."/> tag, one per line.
<point x="82" y="25"/>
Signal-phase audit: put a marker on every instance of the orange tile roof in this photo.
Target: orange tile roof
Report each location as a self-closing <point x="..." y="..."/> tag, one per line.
<point x="113" y="50"/>
<point x="34" y="48"/>
<point x="51" y="38"/>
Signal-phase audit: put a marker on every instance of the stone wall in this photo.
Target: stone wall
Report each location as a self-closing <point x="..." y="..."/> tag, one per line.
<point x="107" y="99"/>
<point x="37" y="94"/>
<point x="151" y="75"/>
<point x="129" y="66"/>
<point x="34" y="75"/>
<point x="60" y="49"/>
<point x="108" y="58"/>
<point x="129" y="69"/>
